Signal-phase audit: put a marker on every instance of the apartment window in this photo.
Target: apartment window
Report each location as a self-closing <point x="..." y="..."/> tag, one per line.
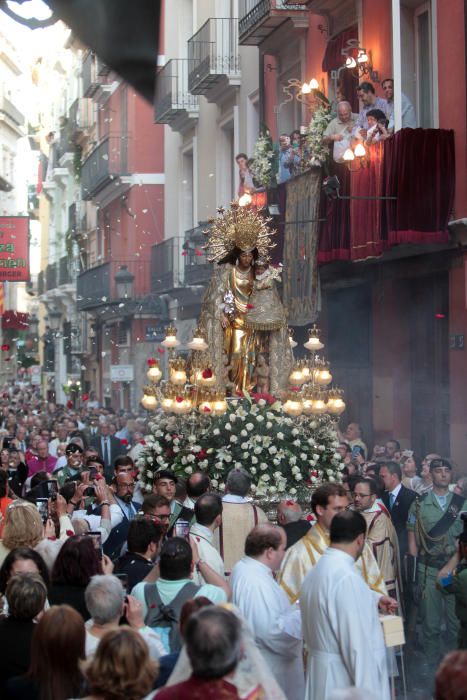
<point x="422" y="19"/>
<point x="123" y="333"/>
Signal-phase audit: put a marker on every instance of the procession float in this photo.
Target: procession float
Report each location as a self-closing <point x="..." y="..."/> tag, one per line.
<point x="235" y="396"/>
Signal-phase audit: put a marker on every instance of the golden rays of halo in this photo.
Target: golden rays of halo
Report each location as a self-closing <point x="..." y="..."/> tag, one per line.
<point x="238" y="227"/>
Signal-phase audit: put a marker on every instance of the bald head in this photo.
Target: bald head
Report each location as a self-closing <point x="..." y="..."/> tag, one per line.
<point x="288" y="511"/>
<point x="344" y="111"/>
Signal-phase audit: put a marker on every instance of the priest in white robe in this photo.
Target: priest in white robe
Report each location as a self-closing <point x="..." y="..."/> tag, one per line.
<point x="275" y="622"/>
<point x="341" y="627"/>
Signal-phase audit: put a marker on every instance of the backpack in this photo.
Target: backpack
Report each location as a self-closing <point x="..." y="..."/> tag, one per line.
<point x="167" y="616"/>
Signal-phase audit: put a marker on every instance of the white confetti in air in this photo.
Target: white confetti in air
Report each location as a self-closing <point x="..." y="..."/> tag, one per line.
<point x="104" y="299"/>
<point x="103" y="353"/>
<point x="145" y="211"/>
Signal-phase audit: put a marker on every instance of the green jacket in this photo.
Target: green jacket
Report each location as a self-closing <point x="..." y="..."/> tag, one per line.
<point x="457" y="586"/>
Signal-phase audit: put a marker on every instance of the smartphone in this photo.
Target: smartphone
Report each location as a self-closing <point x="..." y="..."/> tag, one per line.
<point x="90" y="491"/>
<point x="52" y="489"/>
<point x="182" y="529"/>
<point x="42" y="505"/>
<point x="7" y="443"/>
<point x="97" y="541"/>
<point x="92" y="473"/>
<point x="124" y="579"/>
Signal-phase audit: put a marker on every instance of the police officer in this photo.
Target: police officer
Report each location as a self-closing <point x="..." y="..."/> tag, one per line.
<point x="433" y="528"/>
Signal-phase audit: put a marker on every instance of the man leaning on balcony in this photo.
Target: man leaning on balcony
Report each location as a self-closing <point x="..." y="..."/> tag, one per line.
<point x="339" y="130"/>
<point x="367" y="96"/>
<point x="409" y="120"/>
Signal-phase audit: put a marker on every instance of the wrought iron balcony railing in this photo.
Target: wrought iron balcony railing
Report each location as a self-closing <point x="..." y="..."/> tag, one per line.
<point x="257" y="20"/>
<point x="197" y="268"/>
<point x="213" y="55"/>
<point x="106" y="162"/>
<point x="166" y="265"/>
<point x="174" y="104"/>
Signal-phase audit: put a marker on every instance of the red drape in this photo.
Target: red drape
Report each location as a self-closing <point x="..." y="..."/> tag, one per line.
<point x="333" y="57"/>
<point x="334" y="241"/>
<point x="366" y="239"/>
<point x="419" y="168"/>
<point x="415" y="165"/>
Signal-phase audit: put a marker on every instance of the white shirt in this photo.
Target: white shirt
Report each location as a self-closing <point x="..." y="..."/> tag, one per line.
<point x="275" y="623"/>
<point x="341" y="629"/>
<point x="231" y="498"/>
<point x="95" y="521"/>
<point x="204" y="537"/>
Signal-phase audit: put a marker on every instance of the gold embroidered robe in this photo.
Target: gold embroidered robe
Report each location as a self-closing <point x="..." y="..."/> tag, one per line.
<point x="305" y="553"/>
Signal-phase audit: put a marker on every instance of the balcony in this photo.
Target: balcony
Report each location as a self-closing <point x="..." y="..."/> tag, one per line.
<point x="166" y="265"/>
<point x="214" y="59"/>
<point x="93" y="287"/>
<point x="9" y="110"/>
<point x="66" y="272"/>
<point x="80" y="115"/>
<point x="93" y="75"/>
<point x="197" y="268"/>
<point x="50" y="277"/>
<point x="174" y="104"/>
<point x="107" y="165"/>
<point x="97" y="289"/>
<point x="258" y="20"/>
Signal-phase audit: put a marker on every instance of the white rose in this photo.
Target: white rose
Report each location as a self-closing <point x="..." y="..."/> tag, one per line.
<point x="315" y="457"/>
<point x="243" y="433"/>
<point x="203" y="464"/>
<point x="332" y="479"/>
<point x="272" y="489"/>
<point x="293" y="491"/>
<point x="196" y="448"/>
<point x="259" y="419"/>
<point x="253" y="470"/>
<point x="303" y="455"/>
<point x="221" y="487"/>
<point x="269" y="425"/>
<point x="292" y="460"/>
<point x="190" y="458"/>
<point x="295" y="470"/>
<point x="191" y="438"/>
<point x="245" y="455"/>
<point x="297" y="443"/>
<point x="232" y="417"/>
<point x="214" y="483"/>
<point x="228" y="426"/>
<point x="298" y="477"/>
<point x="188" y="470"/>
<point x="295" y="431"/>
<point x="237" y="465"/>
<point x="184" y="460"/>
<point x="149" y="474"/>
<point x="272" y="450"/>
<point x="257" y="450"/>
<point x="216" y="431"/>
<point x="228" y="458"/>
<point x="263" y="466"/>
<point x="276" y="462"/>
<point x="321" y="448"/>
<point x="233" y="438"/>
<point x="176" y="449"/>
<point x="262" y="402"/>
<point x="254" y="460"/>
<point x="249" y="426"/>
<point x="265" y="477"/>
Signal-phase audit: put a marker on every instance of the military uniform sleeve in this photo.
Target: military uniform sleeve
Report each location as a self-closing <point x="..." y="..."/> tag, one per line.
<point x="412" y="517"/>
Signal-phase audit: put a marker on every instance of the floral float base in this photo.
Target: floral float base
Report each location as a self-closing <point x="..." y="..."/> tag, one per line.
<point x="284" y="455"/>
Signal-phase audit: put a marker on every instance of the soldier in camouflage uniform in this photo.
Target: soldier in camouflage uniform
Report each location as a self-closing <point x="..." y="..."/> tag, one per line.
<point x="434" y="526"/>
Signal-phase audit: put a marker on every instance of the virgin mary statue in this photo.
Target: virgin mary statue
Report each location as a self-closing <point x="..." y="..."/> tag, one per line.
<point x="244" y="355"/>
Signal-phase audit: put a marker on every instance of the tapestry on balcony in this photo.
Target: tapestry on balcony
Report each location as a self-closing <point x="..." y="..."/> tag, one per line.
<point x="301" y="289"/>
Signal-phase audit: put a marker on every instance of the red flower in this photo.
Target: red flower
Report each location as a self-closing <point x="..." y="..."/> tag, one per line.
<point x="85" y="397"/>
<point x="179" y="399"/>
<point x="269" y="398"/>
<point x="124" y="441"/>
<point x="169" y="452"/>
<point x="206" y="409"/>
<point x="295" y="388"/>
<point x="313" y="472"/>
<point x="69" y="403"/>
<point x="142" y="442"/>
<point x="69" y="533"/>
<point x="161" y="350"/>
<point x="207" y="373"/>
<point x="310" y="518"/>
<point x="199" y="253"/>
<point x="152" y="362"/>
<point x="289" y="503"/>
<point x="250" y="306"/>
<point x="202" y="454"/>
<point x="184" y="253"/>
<point x="5" y="347"/>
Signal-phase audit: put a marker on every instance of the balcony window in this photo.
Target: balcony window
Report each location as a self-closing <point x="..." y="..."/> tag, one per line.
<point x="106" y="162"/>
<point x="174" y="104"/>
<point x="213" y="56"/>
<point x="258" y="20"/>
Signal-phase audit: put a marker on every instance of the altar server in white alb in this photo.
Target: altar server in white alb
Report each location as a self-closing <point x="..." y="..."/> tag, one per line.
<point x="275" y="622"/>
<point x="340" y="620"/>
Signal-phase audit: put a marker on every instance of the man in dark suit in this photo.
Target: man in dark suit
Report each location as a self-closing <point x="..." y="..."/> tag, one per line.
<point x="124" y="486"/>
<point x="108" y="448"/>
<point x="290" y="518"/>
<point x="397" y="499"/>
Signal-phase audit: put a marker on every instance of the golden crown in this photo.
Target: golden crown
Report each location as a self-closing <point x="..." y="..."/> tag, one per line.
<point x="238" y="227"/>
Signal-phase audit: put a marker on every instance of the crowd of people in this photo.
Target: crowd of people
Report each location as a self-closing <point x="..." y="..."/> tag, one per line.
<point x="110" y="593"/>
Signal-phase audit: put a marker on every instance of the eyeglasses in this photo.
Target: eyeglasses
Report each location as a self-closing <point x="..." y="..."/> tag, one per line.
<point x="156" y="517"/>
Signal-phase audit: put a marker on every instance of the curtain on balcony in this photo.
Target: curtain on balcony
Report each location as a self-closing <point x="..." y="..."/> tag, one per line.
<point x="419" y="168"/>
<point x="416" y="166"/>
<point x="300" y="291"/>
<point x="333" y="57"/>
<point x="334" y="236"/>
